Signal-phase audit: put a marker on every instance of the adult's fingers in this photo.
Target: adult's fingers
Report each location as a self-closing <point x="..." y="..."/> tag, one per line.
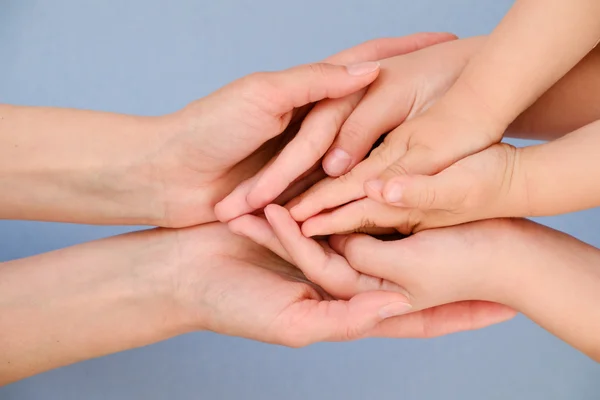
<point x="443" y="320"/>
<point x="318" y="263"/>
<point x="378" y="49"/>
<point x="310" y="321"/>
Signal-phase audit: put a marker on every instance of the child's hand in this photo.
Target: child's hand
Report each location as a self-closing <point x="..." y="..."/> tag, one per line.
<point x="406" y="86"/>
<point x="433" y="283"/>
<point x="485" y="185"/>
<point x="423" y="146"/>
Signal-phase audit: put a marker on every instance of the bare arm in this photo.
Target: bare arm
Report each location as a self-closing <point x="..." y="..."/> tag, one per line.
<point x="76" y="166"/>
<point x="85" y="301"/>
<point x="536" y="44"/>
<point x="571" y="103"/>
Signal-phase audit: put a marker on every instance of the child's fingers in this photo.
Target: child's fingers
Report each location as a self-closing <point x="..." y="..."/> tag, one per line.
<point x="368" y="255"/>
<point x="330" y="193"/>
<point x="383" y="108"/>
<point x="316" y="134"/>
<point x="323" y="267"/>
<point x="360" y="215"/>
<point x="437" y="192"/>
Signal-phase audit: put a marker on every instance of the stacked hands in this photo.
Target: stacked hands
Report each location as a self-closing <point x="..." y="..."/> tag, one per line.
<point x="292" y="163"/>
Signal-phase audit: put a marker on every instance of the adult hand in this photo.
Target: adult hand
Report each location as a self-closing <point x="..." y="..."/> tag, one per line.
<point x="320" y="127"/>
<point x="439" y="289"/>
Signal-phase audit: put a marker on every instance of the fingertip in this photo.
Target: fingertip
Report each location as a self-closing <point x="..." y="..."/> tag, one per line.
<point x="393" y="192"/>
<point x="298" y="212"/>
<point x="223" y="211"/>
<point x="337" y="162"/>
<point x="307" y="229"/>
<point x="374" y="190"/>
<point x="257" y="197"/>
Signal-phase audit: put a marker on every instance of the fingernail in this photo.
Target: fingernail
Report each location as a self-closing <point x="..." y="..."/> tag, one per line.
<point x="337" y="162"/>
<point x="393" y="194"/>
<point x="362" y="68"/>
<point x="394" y="310"/>
<point x="376" y="186"/>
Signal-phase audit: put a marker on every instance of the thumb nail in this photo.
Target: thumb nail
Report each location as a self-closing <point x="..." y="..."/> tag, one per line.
<point x="362" y="68"/>
<point x="394" y="309"/>
<point x="393" y="193"/>
<point x="337" y="162"/>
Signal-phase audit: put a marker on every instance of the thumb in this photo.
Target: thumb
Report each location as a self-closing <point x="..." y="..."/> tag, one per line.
<point x="298" y="86"/>
<point x="339" y="320"/>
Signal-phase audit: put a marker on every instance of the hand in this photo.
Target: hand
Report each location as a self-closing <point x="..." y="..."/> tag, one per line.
<point x="216" y="142"/>
<point x="407" y="85"/>
<point x="233" y="286"/>
<point x="426" y="144"/>
<point x="429" y="282"/>
<point x="488" y="184"/>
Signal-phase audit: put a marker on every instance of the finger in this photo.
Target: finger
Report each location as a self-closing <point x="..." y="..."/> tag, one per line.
<point x="311" y="321"/>
<point x="304" y="84"/>
<point x="380" y="110"/>
<point x="369" y="255"/>
<point x="443" y="320"/>
<point x="235" y="204"/>
<point x="437" y="192"/>
<point x="330" y="193"/>
<point x="260" y="232"/>
<point x="359" y="215"/>
<point x="418" y="159"/>
<point x="299" y="186"/>
<point x="325" y="268"/>
<point x="316" y="134"/>
<point x="379" y="49"/>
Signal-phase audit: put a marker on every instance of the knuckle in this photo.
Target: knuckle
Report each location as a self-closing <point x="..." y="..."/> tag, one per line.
<point x="397" y="168"/>
<point x="353" y="131"/>
<point x="318" y="69"/>
<point x="427" y="198"/>
<point x="411" y="222"/>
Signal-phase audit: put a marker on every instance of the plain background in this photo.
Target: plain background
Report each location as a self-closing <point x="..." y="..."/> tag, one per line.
<point x="152" y="57"/>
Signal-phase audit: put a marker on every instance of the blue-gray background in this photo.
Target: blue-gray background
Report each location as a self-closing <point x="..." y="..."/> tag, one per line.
<point x="152" y="57"/>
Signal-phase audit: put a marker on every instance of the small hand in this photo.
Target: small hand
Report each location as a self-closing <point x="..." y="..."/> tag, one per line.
<point x="484" y="185"/>
<point x="349" y="264"/>
<point x="426" y="144"/>
<point x="406" y="85"/>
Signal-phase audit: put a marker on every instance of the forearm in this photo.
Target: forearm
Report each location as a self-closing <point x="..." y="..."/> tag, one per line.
<point x="86" y="301"/>
<point x="573" y="102"/>
<point x="557" y="177"/>
<point x="531" y="49"/>
<point x="77" y="166"/>
<point x="555" y="281"/>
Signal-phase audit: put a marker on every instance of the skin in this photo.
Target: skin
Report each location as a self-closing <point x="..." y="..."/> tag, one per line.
<point x="516" y="65"/>
<point x="135" y="289"/>
<point x="407" y="85"/>
<point x="508" y="261"/>
<point x="501" y="181"/>
<point x="103" y="168"/>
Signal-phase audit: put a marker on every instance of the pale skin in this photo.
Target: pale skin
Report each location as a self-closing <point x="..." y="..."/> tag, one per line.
<point x="103" y="168"/>
<point x="536" y="44"/>
<point x="406" y="86"/>
<point x="132" y="290"/>
<point x="477" y="186"/>
<point x="515" y="262"/>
